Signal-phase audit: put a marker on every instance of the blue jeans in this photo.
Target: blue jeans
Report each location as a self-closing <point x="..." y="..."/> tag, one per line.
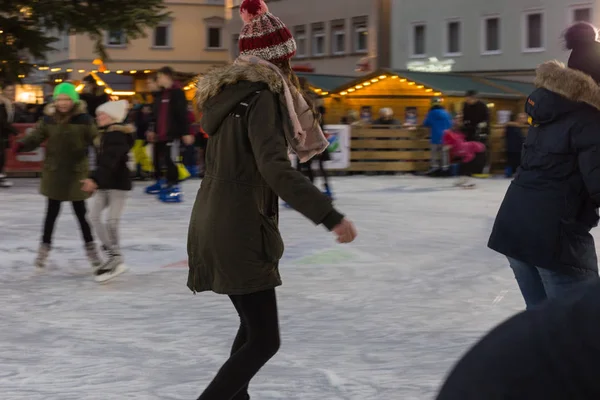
<point x="538" y="284"/>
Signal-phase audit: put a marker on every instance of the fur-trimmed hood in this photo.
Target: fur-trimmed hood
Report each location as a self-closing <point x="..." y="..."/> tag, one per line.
<point x="79" y="108"/>
<point x="569" y="83"/>
<point x="214" y="81"/>
<point x="125" y="128"/>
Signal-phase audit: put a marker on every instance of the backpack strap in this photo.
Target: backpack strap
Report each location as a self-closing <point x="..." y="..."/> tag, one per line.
<point x="241" y="109"/>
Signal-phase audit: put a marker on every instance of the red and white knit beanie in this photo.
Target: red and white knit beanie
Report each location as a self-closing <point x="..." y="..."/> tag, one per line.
<point x="264" y="35"/>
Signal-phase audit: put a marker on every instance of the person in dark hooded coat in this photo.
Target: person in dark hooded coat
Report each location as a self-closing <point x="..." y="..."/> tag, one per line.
<point x="543" y="225"/>
<point x="252" y="111"/>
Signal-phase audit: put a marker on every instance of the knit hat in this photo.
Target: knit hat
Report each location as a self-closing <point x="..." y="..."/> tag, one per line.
<point x="264" y="35"/>
<point x="68" y="89"/>
<point x="117" y="110"/>
<point x="582" y="39"/>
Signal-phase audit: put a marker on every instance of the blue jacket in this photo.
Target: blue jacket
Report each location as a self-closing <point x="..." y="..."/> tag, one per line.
<point x="438" y="120"/>
<point x="552" y="204"/>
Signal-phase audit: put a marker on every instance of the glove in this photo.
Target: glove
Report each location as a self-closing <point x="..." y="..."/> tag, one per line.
<point x="17" y="148"/>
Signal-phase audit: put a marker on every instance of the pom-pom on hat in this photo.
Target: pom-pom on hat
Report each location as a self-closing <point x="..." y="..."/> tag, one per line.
<point x="264" y="35"/>
<point x="117" y="110"/>
<point x="582" y="39"/>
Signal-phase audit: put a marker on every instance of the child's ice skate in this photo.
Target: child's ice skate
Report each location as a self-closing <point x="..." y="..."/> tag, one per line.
<point x="42" y="257"/>
<point x="112" y="268"/>
<point x="4" y="182"/>
<point x="464" y="183"/>
<point x="92" y="254"/>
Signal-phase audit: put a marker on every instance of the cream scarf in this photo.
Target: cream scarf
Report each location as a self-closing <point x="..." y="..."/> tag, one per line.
<point x="307" y="139"/>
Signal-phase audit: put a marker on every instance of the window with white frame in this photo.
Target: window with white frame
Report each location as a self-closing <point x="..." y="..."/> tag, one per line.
<point x="235" y="48"/>
<point x="533" y="31"/>
<point x="491" y="35"/>
<point x="338" y="37"/>
<point x="582" y="13"/>
<point x="162" y="35"/>
<point x="360" y="34"/>
<point x="116" y="38"/>
<point x="318" y="39"/>
<point x="419" y="36"/>
<point x="301" y="44"/>
<point x="453" y="38"/>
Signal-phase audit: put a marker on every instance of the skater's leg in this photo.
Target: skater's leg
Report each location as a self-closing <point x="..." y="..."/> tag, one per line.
<point x="309" y="172"/>
<point x="558" y="285"/>
<point x="435" y="156"/>
<point x="170" y="157"/>
<point x="52" y="211"/>
<point x="80" y="212"/>
<point x="240" y="340"/>
<point x="116" y="205"/>
<point x="258" y="311"/>
<point x="325" y="177"/>
<point x="157" y="155"/>
<point x="100" y="203"/>
<point x="530" y="283"/>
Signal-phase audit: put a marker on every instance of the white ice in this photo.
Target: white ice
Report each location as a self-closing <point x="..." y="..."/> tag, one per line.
<point x="384" y="318"/>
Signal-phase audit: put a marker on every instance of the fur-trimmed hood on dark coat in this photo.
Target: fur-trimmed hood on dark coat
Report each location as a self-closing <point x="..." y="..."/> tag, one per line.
<point x="234" y="244"/>
<point x="551" y="205"/>
<point x="221" y="90"/>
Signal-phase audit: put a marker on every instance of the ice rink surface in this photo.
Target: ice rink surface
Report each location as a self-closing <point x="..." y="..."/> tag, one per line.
<point x="381" y="319"/>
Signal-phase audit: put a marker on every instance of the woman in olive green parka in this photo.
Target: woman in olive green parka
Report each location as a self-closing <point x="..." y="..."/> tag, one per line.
<point x="68" y="132"/>
<point x="253" y="112"/>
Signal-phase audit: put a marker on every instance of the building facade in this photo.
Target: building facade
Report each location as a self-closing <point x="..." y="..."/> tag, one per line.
<point x="191" y="41"/>
<point x="506" y="39"/>
<point x="338" y="37"/>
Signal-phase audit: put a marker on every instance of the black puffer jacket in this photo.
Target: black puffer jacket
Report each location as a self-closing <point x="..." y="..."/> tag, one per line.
<point x="113" y="145"/>
<point x="551" y="205"/>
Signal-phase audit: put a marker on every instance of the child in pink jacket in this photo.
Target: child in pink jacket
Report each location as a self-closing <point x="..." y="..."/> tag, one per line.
<point x="462" y="151"/>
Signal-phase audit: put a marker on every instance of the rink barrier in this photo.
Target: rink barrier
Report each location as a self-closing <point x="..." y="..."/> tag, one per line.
<point x="384" y="149"/>
<point x="24" y="164"/>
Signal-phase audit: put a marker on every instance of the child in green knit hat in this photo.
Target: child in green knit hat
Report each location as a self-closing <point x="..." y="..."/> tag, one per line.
<point x="68" y="131"/>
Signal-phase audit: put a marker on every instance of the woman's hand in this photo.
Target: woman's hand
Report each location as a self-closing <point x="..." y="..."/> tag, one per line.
<point x="345" y="231"/>
<point x="89" y="186"/>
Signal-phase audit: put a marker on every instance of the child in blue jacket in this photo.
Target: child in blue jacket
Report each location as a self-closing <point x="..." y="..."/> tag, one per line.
<point x="438" y="120"/>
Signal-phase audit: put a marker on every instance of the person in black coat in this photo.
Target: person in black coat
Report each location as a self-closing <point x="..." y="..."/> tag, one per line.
<point x="112" y="181"/>
<point x="93" y="95"/>
<point x="549" y="353"/>
<point x="514" y="138"/>
<point x="543" y="225"/>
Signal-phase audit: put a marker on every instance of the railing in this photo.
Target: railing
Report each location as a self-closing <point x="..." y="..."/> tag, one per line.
<point x="389" y="149"/>
<point x="398" y="149"/>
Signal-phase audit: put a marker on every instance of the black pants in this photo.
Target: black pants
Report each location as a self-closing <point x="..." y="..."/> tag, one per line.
<point x="162" y="155"/>
<point x="256" y="342"/>
<point x="513" y="160"/>
<point x="52" y="211"/>
<point x="306" y="168"/>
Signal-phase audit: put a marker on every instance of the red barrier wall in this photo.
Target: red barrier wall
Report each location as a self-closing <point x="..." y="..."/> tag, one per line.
<point x="24" y="162"/>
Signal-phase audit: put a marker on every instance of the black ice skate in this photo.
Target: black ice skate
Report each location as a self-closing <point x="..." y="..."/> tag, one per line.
<point x="4" y="182"/>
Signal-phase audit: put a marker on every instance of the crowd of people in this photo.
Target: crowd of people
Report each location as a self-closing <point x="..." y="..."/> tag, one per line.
<point x="254" y="113"/>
